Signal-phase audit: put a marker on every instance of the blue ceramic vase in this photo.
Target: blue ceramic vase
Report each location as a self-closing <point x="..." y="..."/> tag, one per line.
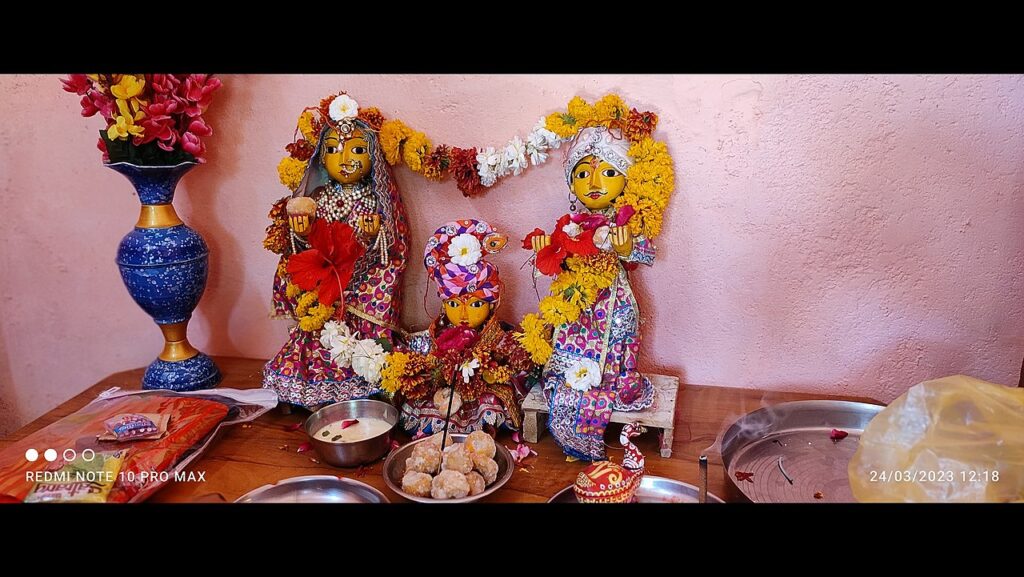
<point x="164" y="266"/>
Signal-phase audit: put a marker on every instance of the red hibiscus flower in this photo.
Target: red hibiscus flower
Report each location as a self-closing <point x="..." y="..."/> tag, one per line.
<point x="581" y="243"/>
<point x="549" y="258"/>
<point x="327" y="266"/>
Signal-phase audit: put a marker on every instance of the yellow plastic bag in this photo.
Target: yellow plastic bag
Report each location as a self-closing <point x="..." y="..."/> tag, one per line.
<point x="956" y="439"/>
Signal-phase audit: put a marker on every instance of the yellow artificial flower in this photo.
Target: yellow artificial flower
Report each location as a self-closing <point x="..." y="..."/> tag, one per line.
<point x="562" y="124"/>
<point x="582" y="112"/>
<point x="535" y="338"/>
<point x="305" y="301"/>
<point x="290" y="171"/>
<point x="128" y="86"/>
<point x="306" y="127"/>
<point x="123" y="127"/>
<point x="416" y="147"/>
<point x="392" y="134"/>
<point x="610" y="108"/>
<point x="394" y="369"/>
<point x="315" y="319"/>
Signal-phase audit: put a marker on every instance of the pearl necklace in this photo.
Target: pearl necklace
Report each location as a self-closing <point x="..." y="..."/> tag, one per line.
<point x="337" y="202"/>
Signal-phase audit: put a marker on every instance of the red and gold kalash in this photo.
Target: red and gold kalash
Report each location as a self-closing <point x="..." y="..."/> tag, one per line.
<point x="608" y="482"/>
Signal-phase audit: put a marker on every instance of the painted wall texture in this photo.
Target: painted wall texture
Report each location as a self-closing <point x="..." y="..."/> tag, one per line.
<point x="837" y="234"/>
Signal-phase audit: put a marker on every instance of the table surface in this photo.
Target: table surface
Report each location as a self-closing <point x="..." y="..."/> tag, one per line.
<point x="244" y="458"/>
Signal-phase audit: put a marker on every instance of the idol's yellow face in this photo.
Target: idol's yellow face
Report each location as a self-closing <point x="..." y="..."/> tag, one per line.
<point x="469" y="312"/>
<point x="596" y="183"/>
<point x="347" y="160"/>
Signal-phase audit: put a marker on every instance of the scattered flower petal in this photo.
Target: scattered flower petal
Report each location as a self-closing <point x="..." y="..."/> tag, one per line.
<point x="837" y="435"/>
<point x="314" y="460"/>
<point x="744" y="476"/>
<point x="293" y="427"/>
<point x="819" y="495"/>
<point x="304" y="447"/>
<point x="348" y="423"/>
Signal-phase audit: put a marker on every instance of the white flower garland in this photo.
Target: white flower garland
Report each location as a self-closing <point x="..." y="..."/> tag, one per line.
<point x="513" y="158"/>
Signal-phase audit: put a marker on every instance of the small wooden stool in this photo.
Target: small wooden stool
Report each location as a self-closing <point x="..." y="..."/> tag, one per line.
<point x="659" y="415"/>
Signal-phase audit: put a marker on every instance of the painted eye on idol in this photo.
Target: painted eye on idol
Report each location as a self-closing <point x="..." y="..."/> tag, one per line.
<point x="610" y="172"/>
<point x="477" y="304"/>
<point x="358" y="150"/>
<point x="453" y="304"/>
<point x="583" y="174"/>
<point x="331" y="150"/>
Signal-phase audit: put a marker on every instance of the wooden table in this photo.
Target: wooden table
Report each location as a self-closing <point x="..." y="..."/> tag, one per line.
<point x="243" y="459"/>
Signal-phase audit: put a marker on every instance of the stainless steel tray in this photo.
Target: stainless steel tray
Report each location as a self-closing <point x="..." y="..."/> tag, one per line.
<point x="798" y="432"/>
<point x="652" y="490"/>
<point x="314" y="489"/>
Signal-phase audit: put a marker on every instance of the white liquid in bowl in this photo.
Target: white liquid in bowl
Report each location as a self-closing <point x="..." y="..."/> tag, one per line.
<point x="366" y="428"/>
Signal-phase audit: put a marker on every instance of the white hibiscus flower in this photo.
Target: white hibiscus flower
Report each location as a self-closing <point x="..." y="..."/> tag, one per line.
<point x="339" y="341"/>
<point x="583" y="375"/>
<point x="465" y="250"/>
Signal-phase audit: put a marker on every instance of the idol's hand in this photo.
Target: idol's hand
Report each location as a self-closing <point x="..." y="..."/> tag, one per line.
<point x="622" y="240"/>
<point x="369" y="224"/>
<point x="540" y="241"/>
<point x="299" y="224"/>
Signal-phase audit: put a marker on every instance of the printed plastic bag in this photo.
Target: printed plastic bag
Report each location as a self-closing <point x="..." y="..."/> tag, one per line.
<point x="955" y="439"/>
<point x="194" y="419"/>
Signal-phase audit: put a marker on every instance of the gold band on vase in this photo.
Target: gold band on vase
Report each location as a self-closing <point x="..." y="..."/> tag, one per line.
<point x="158" y="216"/>
<point x="176" y="345"/>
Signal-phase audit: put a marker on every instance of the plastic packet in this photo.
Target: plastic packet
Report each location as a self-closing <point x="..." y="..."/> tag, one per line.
<point x="88" y="478"/>
<point x="955" y="439"/>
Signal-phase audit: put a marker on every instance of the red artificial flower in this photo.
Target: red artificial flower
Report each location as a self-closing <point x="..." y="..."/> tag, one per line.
<point x="463" y="170"/>
<point x="528" y="241"/>
<point x="456" y="339"/>
<point x="159" y="125"/>
<point x="77" y="83"/>
<point x="199" y="127"/>
<point x="327" y="266"/>
<point x="165" y="84"/>
<point x="300" y="149"/>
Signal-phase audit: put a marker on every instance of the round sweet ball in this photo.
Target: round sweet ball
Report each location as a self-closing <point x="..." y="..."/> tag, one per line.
<point x="301" y="206"/>
<point x="481" y="443"/>
<point x="457" y="458"/>
<point x="425" y="458"/>
<point x="487" y="467"/>
<point x="449" y="485"/>
<point x="436" y="440"/>
<point x="476" y="483"/>
<point x="416" y="483"/>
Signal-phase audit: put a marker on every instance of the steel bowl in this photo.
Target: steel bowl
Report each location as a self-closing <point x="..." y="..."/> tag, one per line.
<point x="359" y="452"/>
<point x="394" y="470"/>
<point x="314" y="489"/>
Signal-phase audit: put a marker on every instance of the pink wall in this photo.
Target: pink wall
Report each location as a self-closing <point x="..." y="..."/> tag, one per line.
<point x="839" y="234"/>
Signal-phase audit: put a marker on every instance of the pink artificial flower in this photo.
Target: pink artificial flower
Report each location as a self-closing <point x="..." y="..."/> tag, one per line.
<point x="77" y="83"/>
<point x="456" y="339"/>
<point x="199" y="127"/>
<point x="100" y="144"/>
<point x="159" y="125"/>
<point x="165" y="84"/>
<point x="191" y="144"/>
<point x="625" y="213"/>
<point x="589" y="221"/>
<point x="198" y="92"/>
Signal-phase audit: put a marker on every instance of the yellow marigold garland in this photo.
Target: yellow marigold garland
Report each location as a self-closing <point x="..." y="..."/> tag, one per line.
<point x="290" y="171"/>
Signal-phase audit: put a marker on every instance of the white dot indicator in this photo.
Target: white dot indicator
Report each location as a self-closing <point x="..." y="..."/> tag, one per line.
<point x="31" y="455"/>
<point x="50" y="455"/>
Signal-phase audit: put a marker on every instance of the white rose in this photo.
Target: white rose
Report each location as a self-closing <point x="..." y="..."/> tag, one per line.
<point x="583" y="375"/>
<point x="464" y="250"/>
<point x="343" y="107"/>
